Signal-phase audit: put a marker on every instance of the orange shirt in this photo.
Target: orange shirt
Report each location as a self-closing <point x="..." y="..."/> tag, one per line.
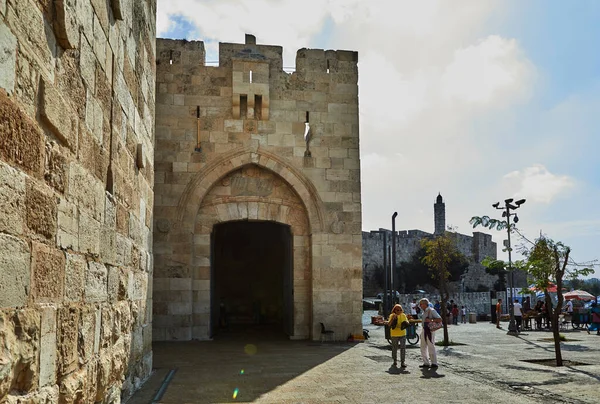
<point x="498" y="308"/>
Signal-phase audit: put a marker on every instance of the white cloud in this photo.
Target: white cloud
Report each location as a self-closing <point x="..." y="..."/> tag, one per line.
<point x="538" y="184"/>
<point x="486" y="71"/>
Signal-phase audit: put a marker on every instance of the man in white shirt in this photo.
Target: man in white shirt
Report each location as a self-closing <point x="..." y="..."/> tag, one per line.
<point x="413" y="308"/>
<point x="569" y="307"/>
<point x="518" y="314"/>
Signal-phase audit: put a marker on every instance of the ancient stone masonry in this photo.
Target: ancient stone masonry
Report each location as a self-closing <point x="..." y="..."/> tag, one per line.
<point x="408" y="242"/>
<point x="230" y="147"/>
<point x="76" y="113"/>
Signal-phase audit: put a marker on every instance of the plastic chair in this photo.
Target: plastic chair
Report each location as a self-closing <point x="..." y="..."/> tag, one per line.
<point x="325" y="332"/>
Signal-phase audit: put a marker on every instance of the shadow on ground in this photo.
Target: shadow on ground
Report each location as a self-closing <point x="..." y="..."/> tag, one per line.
<point x="211" y="371"/>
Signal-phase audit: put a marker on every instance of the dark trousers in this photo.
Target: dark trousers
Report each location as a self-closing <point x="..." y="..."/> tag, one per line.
<point x="519" y="321"/>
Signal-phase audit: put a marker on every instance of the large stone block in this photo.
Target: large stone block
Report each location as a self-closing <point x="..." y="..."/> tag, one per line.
<point x="48" y="347"/>
<point x="66" y="27"/>
<point x="8" y="58"/>
<point x="15" y="274"/>
<point x="48" y="269"/>
<point x="89" y="234"/>
<point x="59" y="115"/>
<point x="19" y="355"/>
<point x="27" y="23"/>
<point x="68" y="333"/>
<point x="75" y="274"/>
<point x="96" y="282"/>
<point x="41" y="210"/>
<point x="86" y="190"/>
<point x="20" y="139"/>
<point x="12" y="200"/>
<point x="68" y="225"/>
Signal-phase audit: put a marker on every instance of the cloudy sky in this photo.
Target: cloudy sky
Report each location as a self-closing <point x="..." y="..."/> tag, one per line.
<point x="480" y="100"/>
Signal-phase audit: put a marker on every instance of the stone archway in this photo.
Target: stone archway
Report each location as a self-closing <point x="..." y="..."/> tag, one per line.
<point x="212" y="172"/>
<point x="252" y="193"/>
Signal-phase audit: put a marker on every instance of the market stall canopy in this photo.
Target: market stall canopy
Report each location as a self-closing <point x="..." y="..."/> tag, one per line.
<point x="578" y="295"/>
<point x="551" y="288"/>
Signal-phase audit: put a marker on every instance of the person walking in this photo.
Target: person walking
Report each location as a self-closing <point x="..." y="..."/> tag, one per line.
<point x="498" y="312"/>
<point x="594" y="318"/>
<point x="527" y="305"/>
<point x="455" y="314"/>
<point x="428" y="352"/>
<point x="413" y="308"/>
<point x="398" y="334"/>
<point x="463" y="314"/>
<point x="518" y="312"/>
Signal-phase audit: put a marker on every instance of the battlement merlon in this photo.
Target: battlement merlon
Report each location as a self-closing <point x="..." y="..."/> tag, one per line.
<point x="180" y="52"/>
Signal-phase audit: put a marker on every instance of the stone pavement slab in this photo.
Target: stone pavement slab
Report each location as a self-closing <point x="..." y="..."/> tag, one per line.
<point x="488" y="368"/>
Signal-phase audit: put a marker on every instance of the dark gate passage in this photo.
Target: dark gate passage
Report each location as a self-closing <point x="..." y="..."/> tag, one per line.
<point x="251" y="288"/>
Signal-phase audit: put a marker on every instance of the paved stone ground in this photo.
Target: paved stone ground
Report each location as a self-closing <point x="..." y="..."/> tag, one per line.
<point x="489" y="367"/>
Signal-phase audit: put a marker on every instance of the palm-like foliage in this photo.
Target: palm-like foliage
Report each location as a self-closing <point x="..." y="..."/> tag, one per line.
<point x="488" y="222"/>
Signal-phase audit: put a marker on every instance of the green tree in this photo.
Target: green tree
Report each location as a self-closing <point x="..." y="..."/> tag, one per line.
<point x="547" y="261"/>
<point x="498" y="268"/>
<point x="417" y="273"/>
<point x="440" y="252"/>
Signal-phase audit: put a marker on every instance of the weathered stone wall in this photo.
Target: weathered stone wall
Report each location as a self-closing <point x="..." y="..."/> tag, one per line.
<point x="76" y="193"/>
<point x="212" y="123"/>
<point x="408" y="242"/>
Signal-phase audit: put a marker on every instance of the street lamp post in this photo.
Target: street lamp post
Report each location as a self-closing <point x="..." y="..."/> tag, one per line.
<point x="508" y="206"/>
<point x="394" y="251"/>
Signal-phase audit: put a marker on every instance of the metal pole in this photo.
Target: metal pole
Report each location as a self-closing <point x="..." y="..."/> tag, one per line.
<point x="385" y="291"/>
<point x="394" y="287"/>
<point x="512" y="328"/>
<point x="391" y="279"/>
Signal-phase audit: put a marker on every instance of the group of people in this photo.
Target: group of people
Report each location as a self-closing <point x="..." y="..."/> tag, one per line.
<point x="453" y="311"/>
<point x="541" y="314"/>
<point x="398" y="323"/>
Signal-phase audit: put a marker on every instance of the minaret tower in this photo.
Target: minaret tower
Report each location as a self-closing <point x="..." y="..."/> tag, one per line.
<point x="439" y="216"/>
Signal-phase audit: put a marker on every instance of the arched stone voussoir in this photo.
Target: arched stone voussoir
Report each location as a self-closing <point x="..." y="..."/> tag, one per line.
<point x="261" y="211"/>
<point x="199" y="186"/>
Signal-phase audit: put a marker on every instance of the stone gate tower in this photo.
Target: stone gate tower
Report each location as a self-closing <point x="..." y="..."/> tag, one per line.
<point x="257" y="208"/>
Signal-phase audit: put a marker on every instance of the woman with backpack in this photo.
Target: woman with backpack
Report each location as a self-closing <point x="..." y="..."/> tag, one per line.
<point x="398" y="323"/>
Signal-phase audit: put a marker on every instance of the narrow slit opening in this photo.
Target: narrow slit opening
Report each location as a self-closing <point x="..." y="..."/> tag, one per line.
<point x="250" y="76"/>
<point x="327" y="68"/>
<point x="171" y="58"/>
<point x="243" y="106"/>
<point x="258" y="107"/>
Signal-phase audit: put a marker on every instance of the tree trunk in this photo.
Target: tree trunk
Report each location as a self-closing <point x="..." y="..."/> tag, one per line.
<point x="560" y="273"/>
<point x="553" y="314"/>
<point x="444" y="310"/>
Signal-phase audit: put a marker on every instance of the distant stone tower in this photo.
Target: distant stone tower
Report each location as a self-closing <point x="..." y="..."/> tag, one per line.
<point x="439" y="215"/>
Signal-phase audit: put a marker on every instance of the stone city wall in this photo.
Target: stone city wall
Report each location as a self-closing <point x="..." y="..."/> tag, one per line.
<point x="76" y="196"/>
<point x="408" y="242"/>
<point x="212" y="121"/>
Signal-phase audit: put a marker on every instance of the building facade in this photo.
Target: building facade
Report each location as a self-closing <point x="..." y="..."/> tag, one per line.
<point x="76" y="196"/>
<point x="257" y="209"/>
<point x="475" y="248"/>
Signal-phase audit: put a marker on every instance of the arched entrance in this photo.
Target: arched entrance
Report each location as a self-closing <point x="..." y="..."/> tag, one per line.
<point x="251" y="278"/>
<point x="248" y="216"/>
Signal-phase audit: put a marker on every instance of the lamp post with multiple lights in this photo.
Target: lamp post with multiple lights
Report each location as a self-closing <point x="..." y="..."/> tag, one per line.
<point x="508" y="206"/>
